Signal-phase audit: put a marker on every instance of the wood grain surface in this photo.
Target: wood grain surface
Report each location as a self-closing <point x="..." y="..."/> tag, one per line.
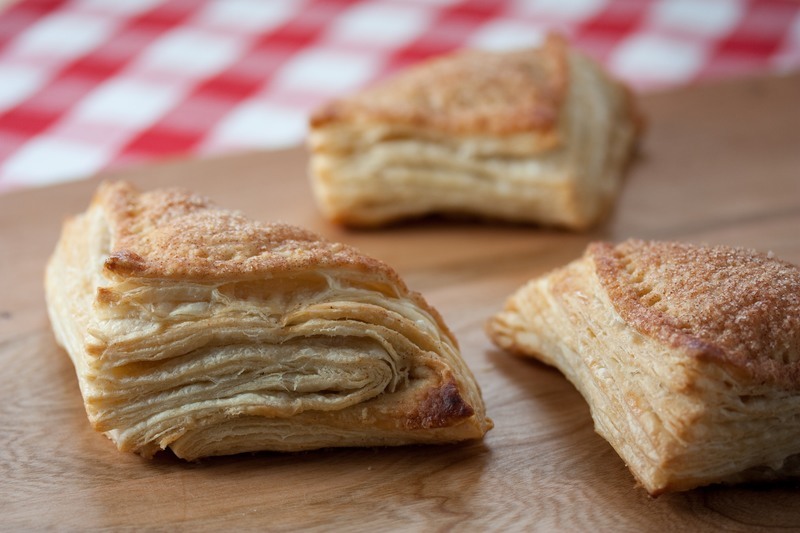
<point x="720" y="164"/>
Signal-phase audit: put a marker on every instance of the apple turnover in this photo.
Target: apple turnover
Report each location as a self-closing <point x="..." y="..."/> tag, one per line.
<point x="688" y="356"/>
<point x="196" y="329"/>
<point x="537" y="135"/>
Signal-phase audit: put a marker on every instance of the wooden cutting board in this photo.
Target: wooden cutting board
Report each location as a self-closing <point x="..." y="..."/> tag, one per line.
<point x="720" y="164"/>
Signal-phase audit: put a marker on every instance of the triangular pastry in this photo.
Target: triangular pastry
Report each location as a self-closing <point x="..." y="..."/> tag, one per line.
<point x="194" y="328"/>
<point x="536" y="135"/>
<point x="689" y="356"/>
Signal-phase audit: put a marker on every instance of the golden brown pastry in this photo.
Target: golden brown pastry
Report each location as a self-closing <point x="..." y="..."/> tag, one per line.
<point x="194" y="328"/>
<point x="538" y="135"/>
<point x="689" y="356"/>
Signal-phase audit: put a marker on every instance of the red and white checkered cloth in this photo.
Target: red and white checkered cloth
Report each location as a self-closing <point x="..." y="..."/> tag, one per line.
<point x="91" y="84"/>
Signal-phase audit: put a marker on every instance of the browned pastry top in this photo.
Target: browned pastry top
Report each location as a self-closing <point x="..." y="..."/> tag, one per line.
<point x="467" y="92"/>
<point x="734" y="305"/>
<point x="174" y="234"/>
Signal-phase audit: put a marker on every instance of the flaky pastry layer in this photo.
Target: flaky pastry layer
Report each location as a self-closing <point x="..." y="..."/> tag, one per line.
<point x="687" y="356"/>
<point x="194" y="328"/>
<point x="375" y="160"/>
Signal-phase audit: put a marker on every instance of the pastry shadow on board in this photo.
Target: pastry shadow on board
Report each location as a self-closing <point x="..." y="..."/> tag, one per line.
<point x="546" y="393"/>
<point x="460" y="222"/>
<point x="473" y="451"/>
<point x="773" y="503"/>
<point x="558" y="418"/>
<point x="551" y="394"/>
<point x="501" y="251"/>
<point x="385" y="477"/>
<point x="381" y="481"/>
<point x="553" y="405"/>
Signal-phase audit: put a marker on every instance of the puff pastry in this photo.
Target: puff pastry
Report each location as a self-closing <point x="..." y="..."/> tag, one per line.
<point x="689" y="356"/>
<point x="538" y="135"/>
<point x="194" y="328"/>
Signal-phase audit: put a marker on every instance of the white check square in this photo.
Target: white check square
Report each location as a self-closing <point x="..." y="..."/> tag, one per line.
<point x="327" y="71"/>
<point x="568" y="10"/>
<point x="507" y="34"/>
<point x="258" y="123"/>
<point x="18" y="83"/>
<point x="127" y="102"/>
<point x="48" y="159"/>
<point x="656" y="59"/>
<point x="63" y="34"/>
<point x="117" y="7"/>
<point x="381" y="24"/>
<point x="707" y="18"/>
<point x="249" y="15"/>
<point x="190" y="52"/>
